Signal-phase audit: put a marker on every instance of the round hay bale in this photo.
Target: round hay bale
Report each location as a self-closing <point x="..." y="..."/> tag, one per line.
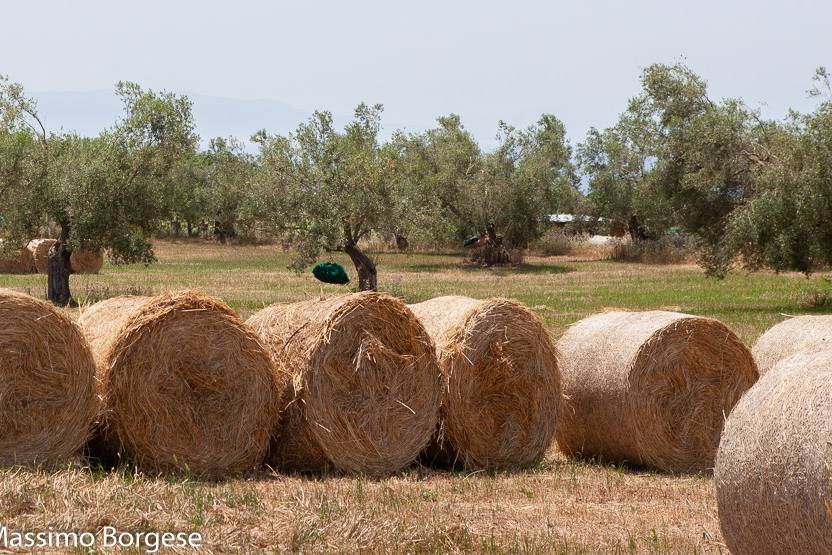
<point x="14" y="262"/>
<point x="10" y="266"/>
<point x="47" y="382"/>
<point x="773" y="470"/>
<point x="501" y="406"/>
<point x="184" y="383"/>
<point x="102" y="321"/>
<point x="650" y="388"/>
<point x="365" y="383"/>
<point x="27" y="261"/>
<point x="39" y="249"/>
<point x="83" y="261"/>
<point x="792" y="336"/>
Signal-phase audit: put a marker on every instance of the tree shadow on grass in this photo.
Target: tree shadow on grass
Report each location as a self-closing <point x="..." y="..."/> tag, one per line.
<point x="494" y="270"/>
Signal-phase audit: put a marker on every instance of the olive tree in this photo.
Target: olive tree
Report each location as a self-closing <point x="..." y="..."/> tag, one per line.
<point x="17" y="202"/>
<point x="528" y="177"/>
<point x="229" y="177"/>
<point x="108" y="192"/>
<point x="189" y="196"/>
<point x="786" y="224"/>
<point x="511" y="190"/>
<point x="702" y="158"/>
<point x="614" y="164"/>
<point x="325" y="190"/>
<point x="434" y="172"/>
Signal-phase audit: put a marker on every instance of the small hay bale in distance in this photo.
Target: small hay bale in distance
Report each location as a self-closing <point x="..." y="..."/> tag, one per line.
<point x="39" y="250"/>
<point x="11" y="265"/>
<point x="47" y="383"/>
<point x="83" y="261"/>
<point x="773" y="470"/>
<point x="15" y="261"/>
<point x="650" y="388"/>
<point x="185" y="384"/>
<point x="26" y="260"/>
<point x="790" y="337"/>
<point x="365" y="383"/>
<point x="501" y="406"/>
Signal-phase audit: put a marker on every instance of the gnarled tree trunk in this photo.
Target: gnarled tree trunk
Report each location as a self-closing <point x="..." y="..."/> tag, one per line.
<point x="367" y="280"/>
<point x="58" y="271"/>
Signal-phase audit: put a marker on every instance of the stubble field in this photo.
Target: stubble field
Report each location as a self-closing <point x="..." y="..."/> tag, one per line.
<point x="560" y="506"/>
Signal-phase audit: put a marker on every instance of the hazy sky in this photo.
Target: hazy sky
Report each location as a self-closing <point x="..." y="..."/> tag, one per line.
<point x="485" y="60"/>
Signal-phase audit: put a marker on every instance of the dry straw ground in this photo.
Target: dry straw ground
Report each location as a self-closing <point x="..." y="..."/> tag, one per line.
<point x="557" y="506"/>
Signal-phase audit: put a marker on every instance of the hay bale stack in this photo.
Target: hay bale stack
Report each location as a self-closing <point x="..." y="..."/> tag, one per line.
<point x="365" y="386"/>
<point x="83" y="261"/>
<point x="774" y="467"/>
<point x="47" y="382"/>
<point x="501" y="406"/>
<point x="184" y="383"/>
<point x="39" y="250"/>
<point x="650" y="388"/>
<point x="792" y="336"/>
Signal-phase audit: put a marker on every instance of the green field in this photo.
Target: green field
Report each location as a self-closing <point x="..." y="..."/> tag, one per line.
<point x="559" y="506"/>
<point x="560" y="289"/>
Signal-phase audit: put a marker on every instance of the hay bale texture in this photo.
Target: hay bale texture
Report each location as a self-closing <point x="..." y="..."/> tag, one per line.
<point x="11" y="265"/>
<point x="83" y="261"/>
<point x="792" y="336"/>
<point x="501" y="406"/>
<point x="27" y="261"/>
<point x="39" y="251"/>
<point x="47" y="382"/>
<point x="14" y="261"/>
<point x="184" y="383"/>
<point x="365" y="384"/>
<point x="650" y="388"/>
<point x="774" y="467"/>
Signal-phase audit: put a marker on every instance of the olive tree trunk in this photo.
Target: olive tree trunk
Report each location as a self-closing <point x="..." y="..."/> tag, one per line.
<point x="367" y="280"/>
<point x="58" y="271"/>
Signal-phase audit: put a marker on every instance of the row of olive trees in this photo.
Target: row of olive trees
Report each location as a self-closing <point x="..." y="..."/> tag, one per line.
<point x="320" y="189"/>
<point x="745" y="187"/>
<point x="326" y="190"/>
<point x="114" y="191"/>
<point x="748" y="189"/>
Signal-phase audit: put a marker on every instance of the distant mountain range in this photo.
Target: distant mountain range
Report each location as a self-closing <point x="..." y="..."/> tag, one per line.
<point x="89" y="112"/>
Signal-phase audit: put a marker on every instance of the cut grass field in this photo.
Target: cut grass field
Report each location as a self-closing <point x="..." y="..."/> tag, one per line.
<point x="560" y="506"/>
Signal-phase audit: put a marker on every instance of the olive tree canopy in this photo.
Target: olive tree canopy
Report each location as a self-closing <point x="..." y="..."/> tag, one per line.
<point x="326" y="190"/>
<point x="108" y="192"/>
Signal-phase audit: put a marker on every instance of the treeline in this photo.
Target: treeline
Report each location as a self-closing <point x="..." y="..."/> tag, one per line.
<point x="747" y="190"/>
<point x="751" y="191"/>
